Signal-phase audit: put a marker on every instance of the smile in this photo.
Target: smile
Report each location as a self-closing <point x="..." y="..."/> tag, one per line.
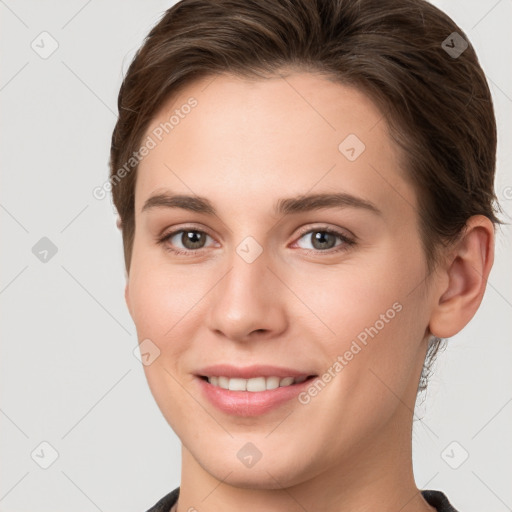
<point x="254" y="385"/>
<point x="254" y="396"/>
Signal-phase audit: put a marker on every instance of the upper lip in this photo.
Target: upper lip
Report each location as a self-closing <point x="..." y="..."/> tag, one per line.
<point x="249" y="372"/>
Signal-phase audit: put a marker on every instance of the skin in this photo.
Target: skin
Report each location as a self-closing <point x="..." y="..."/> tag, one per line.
<point x="244" y="146"/>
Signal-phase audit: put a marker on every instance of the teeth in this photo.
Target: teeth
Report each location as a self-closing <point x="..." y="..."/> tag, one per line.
<point x="255" y="384"/>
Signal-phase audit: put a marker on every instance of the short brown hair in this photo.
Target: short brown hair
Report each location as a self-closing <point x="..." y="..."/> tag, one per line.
<point x="437" y="104"/>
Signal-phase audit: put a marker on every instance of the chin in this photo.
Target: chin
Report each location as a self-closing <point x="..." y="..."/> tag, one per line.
<point x="258" y="480"/>
<point x="263" y="475"/>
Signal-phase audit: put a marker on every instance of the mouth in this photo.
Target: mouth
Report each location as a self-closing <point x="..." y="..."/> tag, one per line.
<point x="256" y="393"/>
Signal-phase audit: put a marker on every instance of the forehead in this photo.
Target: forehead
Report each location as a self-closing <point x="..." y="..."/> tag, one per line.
<point x="228" y="137"/>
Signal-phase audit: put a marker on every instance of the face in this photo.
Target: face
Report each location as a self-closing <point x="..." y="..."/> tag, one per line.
<point x="249" y="278"/>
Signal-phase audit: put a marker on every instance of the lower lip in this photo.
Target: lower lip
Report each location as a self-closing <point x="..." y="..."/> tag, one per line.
<point x="249" y="403"/>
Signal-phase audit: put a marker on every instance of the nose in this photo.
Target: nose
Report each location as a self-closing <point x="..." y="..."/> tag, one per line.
<point x="249" y="301"/>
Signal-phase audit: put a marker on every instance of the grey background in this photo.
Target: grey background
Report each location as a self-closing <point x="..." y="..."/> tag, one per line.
<point x="68" y="373"/>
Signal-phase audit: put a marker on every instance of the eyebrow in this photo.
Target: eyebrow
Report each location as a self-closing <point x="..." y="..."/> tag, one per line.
<point x="285" y="206"/>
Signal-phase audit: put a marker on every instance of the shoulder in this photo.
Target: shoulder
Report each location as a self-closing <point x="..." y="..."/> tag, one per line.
<point x="438" y="500"/>
<point x="165" y="504"/>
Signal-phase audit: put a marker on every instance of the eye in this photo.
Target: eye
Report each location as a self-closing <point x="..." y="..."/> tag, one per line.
<point x="187" y="241"/>
<point x="191" y="240"/>
<point x="323" y="239"/>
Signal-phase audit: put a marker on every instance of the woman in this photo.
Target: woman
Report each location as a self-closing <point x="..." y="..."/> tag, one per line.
<point x="305" y="191"/>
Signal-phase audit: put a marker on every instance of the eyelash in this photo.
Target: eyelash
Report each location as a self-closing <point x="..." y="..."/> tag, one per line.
<point x="347" y="242"/>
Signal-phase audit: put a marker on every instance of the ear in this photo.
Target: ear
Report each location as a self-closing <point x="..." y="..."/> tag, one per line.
<point x="465" y="277"/>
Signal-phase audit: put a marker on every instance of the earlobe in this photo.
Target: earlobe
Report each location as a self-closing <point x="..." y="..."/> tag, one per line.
<point x="467" y="272"/>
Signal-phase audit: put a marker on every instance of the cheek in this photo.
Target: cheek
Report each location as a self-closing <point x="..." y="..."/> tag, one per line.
<point x="355" y="303"/>
<point x="162" y="304"/>
<point x="162" y="298"/>
<point x="168" y="304"/>
<point x="377" y="313"/>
